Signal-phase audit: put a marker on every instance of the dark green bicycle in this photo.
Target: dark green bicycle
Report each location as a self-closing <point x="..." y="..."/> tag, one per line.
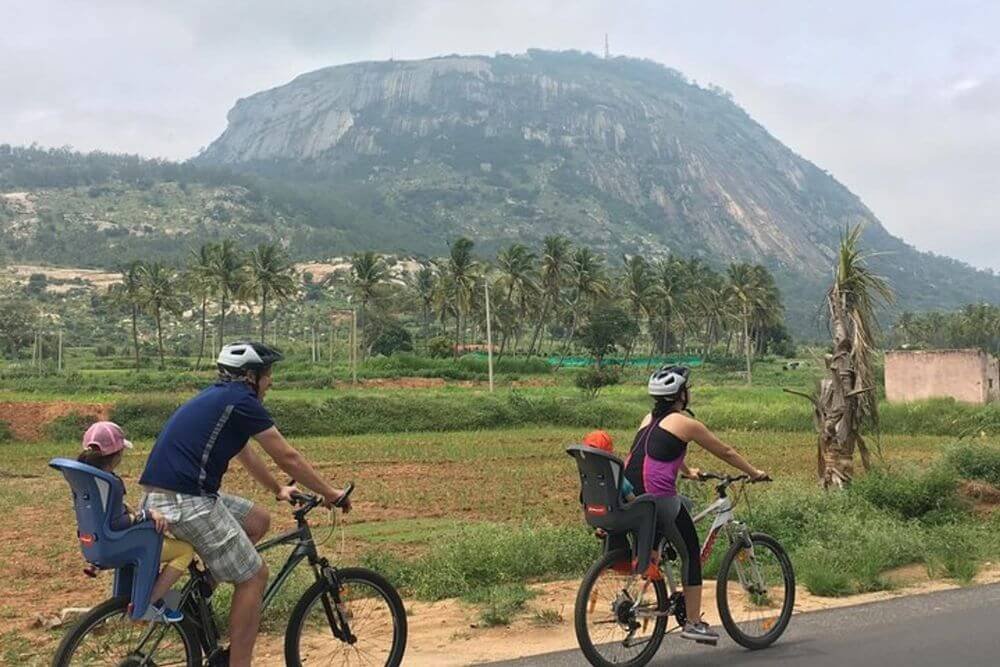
<point x="348" y="616"/>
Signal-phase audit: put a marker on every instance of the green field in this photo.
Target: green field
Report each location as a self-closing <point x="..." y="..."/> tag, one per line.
<point x="464" y="493"/>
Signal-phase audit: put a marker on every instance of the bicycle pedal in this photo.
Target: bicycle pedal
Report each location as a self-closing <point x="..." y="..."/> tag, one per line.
<point x="706" y="642"/>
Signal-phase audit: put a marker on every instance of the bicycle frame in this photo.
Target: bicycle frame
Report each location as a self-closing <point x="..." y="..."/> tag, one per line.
<point x="722" y="508"/>
<point x="304" y="550"/>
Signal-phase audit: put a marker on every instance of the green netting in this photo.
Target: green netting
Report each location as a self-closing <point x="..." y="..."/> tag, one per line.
<point x="573" y="362"/>
<point x="633" y="361"/>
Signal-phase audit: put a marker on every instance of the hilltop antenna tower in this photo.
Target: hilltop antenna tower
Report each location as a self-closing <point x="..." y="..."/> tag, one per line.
<point x="607" y="51"/>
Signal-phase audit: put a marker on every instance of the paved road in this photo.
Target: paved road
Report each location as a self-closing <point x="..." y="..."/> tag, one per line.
<point x="957" y="628"/>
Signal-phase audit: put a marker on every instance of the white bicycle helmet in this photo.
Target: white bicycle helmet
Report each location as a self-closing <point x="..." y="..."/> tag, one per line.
<point x="668" y="381"/>
<point x="247" y="355"/>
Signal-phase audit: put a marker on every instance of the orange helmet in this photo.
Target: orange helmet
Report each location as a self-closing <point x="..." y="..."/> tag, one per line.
<point x="599" y="440"/>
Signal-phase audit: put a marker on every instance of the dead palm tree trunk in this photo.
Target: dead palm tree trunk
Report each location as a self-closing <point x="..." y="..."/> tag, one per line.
<point x="846" y="399"/>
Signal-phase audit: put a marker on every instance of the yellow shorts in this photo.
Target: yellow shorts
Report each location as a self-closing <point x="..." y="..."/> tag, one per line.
<point x="176" y="554"/>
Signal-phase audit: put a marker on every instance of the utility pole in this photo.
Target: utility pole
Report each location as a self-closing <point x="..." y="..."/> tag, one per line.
<point x="607" y="50"/>
<point x="59" y="357"/>
<point x="489" y="333"/>
<point x="354" y="346"/>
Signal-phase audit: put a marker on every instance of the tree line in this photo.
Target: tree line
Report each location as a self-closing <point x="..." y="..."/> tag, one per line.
<point x="975" y="325"/>
<point x="554" y="299"/>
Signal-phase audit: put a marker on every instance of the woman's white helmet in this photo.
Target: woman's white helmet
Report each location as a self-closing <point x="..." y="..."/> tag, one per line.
<point x="668" y="381"/>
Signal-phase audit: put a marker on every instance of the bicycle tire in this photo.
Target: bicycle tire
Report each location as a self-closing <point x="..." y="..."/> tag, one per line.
<point x="346" y="576"/>
<point x="119" y="606"/>
<point x="583" y="638"/>
<point x="722" y="599"/>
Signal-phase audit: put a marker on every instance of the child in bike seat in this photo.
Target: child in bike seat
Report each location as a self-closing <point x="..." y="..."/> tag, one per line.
<point x="104" y="444"/>
<point x="601" y="440"/>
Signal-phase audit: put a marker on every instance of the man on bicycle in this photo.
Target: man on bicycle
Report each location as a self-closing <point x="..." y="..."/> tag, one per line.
<point x="185" y="469"/>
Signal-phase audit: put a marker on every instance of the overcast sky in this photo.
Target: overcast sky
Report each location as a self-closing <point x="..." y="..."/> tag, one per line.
<point x="898" y="100"/>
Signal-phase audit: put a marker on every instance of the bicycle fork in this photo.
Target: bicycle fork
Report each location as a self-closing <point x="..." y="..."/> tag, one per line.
<point x="335" y="616"/>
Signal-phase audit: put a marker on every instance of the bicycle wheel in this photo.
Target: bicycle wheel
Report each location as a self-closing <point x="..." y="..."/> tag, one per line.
<point x="107" y="636"/>
<point x="756" y="591"/>
<point x="374" y="612"/>
<point x="610" y="628"/>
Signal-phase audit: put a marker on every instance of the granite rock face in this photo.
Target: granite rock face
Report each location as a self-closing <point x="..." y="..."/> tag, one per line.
<point x="622" y="154"/>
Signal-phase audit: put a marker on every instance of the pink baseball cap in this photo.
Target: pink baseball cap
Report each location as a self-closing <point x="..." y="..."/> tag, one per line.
<point x="106" y="437"/>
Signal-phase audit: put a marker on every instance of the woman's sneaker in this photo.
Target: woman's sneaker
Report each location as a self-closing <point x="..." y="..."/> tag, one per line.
<point x="700" y="632"/>
<point x="165" y="614"/>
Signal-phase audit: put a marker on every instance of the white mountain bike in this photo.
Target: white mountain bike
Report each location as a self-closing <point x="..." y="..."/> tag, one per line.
<point x="621" y="617"/>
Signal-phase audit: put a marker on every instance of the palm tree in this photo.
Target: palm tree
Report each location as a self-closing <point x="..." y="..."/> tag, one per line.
<point x="587" y="282"/>
<point x="747" y="296"/>
<point x="462" y="270"/>
<point x="555" y="260"/>
<point x="228" y="271"/>
<point x="156" y="289"/>
<point x="128" y="293"/>
<point x="270" y="275"/>
<point x="847" y="399"/>
<point x="638" y="287"/>
<point x="368" y="272"/>
<point x="518" y="283"/>
<point x="669" y="294"/>
<point x="423" y="286"/>
<point x="201" y="285"/>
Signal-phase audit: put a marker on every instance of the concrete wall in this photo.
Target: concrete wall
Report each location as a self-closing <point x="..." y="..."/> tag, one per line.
<point x="964" y="375"/>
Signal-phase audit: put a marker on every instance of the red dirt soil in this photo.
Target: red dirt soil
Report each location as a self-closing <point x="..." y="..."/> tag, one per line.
<point x="27" y="421"/>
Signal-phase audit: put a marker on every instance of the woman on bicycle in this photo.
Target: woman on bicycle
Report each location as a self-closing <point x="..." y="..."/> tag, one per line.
<point x="653" y="465"/>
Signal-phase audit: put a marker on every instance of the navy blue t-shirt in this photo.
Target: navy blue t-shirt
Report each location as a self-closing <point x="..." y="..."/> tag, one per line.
<point x="193" y="450"/>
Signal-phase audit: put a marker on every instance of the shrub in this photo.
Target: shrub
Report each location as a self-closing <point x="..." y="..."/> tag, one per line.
<point x="6" y="434"/>
<point x="70" y="426"/>
<point x="976" y="461"/>
<point x="393" y="338"/>
<point x="953" y="550"/>
<point x="909" y="493"/>
<point x="144" y="417"/>
<point x="591" y="380"/>
<point x="439" y="347"/>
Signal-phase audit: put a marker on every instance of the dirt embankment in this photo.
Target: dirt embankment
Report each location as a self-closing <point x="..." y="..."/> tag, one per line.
<point x="27" y="420"/>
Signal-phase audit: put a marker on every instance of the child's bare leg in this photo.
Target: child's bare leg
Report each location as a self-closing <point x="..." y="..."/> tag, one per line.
<point x="168" y="577"/>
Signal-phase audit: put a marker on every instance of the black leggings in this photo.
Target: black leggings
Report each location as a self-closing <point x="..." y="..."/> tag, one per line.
<point x="674" y="522"/>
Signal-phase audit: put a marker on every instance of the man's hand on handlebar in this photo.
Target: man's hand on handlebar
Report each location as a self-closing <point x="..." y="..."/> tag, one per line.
<point x="285" y="493"/>
<point x="334" y="500"/>
<point x="760" y="476"/>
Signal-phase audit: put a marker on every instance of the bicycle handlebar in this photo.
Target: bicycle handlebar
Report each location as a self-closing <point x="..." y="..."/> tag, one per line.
<point x="308" y="501"/>
<point x="730" y="479"/>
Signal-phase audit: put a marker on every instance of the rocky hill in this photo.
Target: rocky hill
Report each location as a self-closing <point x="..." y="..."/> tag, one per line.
<point x="624" y="155"/>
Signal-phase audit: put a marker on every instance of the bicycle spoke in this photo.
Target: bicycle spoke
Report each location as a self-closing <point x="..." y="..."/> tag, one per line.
<point x="615" y="641"/>
<point x="755" y="590"/>
<point x="370" y="619"/>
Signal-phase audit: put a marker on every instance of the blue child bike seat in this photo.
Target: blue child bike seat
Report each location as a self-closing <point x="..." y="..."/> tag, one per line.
<point x="134" y="553"/>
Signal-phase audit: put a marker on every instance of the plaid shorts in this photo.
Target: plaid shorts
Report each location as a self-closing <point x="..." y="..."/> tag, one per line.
<point x="213" y="526"/>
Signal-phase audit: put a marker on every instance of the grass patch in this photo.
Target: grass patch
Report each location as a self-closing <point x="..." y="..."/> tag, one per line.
<point x="499" y="604"/>
<point x="488" y="555"/>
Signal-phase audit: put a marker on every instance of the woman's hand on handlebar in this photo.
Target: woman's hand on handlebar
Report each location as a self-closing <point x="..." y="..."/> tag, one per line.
<point x="692" y="473"/>
<point x="760" y="476"/>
